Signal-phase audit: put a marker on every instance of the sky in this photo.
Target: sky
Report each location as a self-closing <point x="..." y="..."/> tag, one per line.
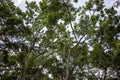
<point x="17" y="2"/>
<point x="21" y="3"/>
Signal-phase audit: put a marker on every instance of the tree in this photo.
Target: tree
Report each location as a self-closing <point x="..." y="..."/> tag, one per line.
<point x="59" y="41"/>
<point x="106" y="29"/>
<point x="12" y="37"/>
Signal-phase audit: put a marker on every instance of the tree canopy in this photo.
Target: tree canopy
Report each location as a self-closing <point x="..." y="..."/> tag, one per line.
<point x="54" y="40"/>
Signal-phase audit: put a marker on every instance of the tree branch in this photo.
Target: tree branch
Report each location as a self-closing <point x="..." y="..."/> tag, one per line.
<point x="70" y="22"/>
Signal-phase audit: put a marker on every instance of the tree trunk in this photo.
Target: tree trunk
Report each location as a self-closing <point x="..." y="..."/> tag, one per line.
<point x="67" y="66"/>
<point x="105" y="73"/>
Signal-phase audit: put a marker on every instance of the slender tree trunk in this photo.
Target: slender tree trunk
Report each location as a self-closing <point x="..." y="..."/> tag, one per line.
<point x="105" y="73"/>
<point x="67" y="66"/>
<point x="25" y="65"/>
<point x="116" y="69"/>
<point x="24" y="73"/>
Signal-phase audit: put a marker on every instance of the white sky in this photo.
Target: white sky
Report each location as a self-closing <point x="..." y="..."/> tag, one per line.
<point x="18" y="2"/>
<point x="21" y="3"/>
<point x="81" y="2"/>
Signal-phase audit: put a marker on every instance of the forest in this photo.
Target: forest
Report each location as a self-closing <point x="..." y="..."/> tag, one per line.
<point x="54" y="40"/>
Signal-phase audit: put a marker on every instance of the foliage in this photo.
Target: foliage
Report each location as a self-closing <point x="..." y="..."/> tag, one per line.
<point x="54" y="40"/>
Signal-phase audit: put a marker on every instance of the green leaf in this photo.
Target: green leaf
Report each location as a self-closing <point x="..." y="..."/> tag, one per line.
<point x="116" y="53"/>
<point x="75" y="1"/>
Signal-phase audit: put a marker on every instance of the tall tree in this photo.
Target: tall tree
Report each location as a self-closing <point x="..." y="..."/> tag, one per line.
<point x="12" y="35"/>
<point x="53" y="40"/>
<point x="106" y="30"/>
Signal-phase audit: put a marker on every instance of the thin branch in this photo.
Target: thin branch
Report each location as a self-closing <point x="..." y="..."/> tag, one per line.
<point x="79" y="41"/>
<point x="40" y="53"/>
<point x="70" y="22"/>
<point x="29" y="51"/>
<point x="27" y="57"/>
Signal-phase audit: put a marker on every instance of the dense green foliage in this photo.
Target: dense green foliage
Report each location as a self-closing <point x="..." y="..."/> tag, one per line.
<point x="54" y="40"/>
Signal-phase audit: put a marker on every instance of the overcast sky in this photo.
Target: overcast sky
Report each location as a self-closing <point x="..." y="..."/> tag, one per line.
<point x="21" y="3"/>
